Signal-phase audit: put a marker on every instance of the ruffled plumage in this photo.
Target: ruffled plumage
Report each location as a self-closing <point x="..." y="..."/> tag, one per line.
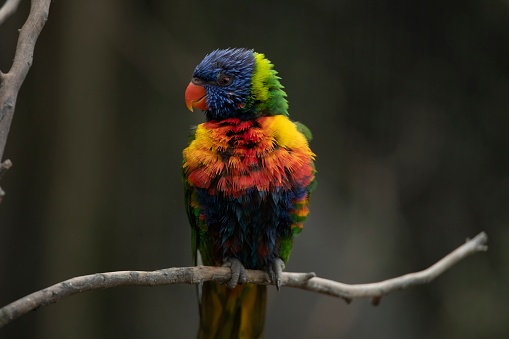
<point x="248" y="174"/>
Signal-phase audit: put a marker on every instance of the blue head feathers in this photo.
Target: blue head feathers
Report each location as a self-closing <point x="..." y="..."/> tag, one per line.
<point x="226" y="76"/>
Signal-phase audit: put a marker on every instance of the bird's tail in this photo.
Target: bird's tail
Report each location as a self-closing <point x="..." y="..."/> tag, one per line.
<point x="232" y="313"/>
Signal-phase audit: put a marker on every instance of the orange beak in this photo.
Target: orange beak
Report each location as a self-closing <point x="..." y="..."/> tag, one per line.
<point x="196" y="97"/>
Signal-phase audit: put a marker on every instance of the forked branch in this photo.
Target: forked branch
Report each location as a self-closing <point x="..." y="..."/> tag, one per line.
<point x="195" y="275"/>
<point x="10" y="82"/>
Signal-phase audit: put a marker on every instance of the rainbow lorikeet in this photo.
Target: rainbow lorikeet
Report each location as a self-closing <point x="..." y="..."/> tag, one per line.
<point x="248" y="173"/>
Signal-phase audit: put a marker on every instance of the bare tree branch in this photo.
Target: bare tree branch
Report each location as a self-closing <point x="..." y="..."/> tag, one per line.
<point x="195" y="275"/>
<point x="10" y="83"/>
<point x="8" y="9"/>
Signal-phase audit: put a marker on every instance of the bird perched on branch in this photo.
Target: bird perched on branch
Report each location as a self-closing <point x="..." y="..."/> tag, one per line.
<point x="248" y="173"/>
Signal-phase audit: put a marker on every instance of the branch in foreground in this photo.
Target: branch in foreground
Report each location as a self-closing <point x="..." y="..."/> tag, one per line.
<point x="195" y="275"/>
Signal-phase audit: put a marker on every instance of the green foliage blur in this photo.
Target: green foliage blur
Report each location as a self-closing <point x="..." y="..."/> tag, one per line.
<point x="408" y="105"/>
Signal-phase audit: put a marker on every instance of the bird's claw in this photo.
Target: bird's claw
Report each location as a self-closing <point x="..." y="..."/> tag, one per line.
<point x="239" y="275"/>
<point x="276" y="272"/>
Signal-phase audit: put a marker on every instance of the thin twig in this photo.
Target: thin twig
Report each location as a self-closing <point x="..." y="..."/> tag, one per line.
<point x="195" y="275"/>
<point x="10" y="82"/>
<point x="380" y="289"/>
<point x="8" y="9"/>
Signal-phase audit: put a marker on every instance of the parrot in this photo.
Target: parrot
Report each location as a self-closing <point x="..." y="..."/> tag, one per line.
<point x="248" y="173"/>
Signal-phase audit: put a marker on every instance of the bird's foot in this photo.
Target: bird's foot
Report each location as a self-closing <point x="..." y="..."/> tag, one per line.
<point x="276" y="272"/>
<point x="239" y="275"/>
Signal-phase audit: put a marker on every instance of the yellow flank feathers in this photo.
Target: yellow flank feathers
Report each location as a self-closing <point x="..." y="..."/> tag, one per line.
<point x="286" y="134"/>
<point x="260" y="75"/>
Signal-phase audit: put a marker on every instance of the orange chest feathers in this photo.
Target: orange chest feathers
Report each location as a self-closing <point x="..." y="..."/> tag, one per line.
<point x="233" y="157"/>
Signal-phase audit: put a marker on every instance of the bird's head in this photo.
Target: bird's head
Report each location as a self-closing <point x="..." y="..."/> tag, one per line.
<point x="236" y="83"/>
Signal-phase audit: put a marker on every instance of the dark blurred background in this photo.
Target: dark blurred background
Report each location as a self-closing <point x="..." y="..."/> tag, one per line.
<point x="408" y="102"/>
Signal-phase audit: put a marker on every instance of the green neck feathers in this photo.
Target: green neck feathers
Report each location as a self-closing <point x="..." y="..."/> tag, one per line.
<point x="267" y="96"/>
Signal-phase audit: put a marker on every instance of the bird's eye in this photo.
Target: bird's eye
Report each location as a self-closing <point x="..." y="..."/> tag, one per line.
<point x="198" y="81"/>
<point x="224" y="79"/>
